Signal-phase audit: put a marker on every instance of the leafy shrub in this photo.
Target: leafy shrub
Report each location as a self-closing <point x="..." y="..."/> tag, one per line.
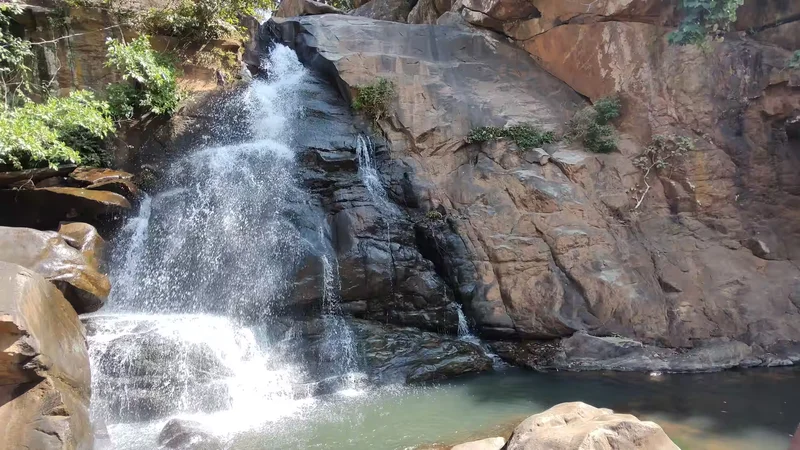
<point x="662" y="151"/>
<point x="14" y="73"/>
<point x="660" y="155"/>
<point x="702" y="18"/>
<point x="220" y="60"/>
<point x="62" y="130"/>
<point x="592" y="125"/>
<point x="203" y="20"/>
<point x="344" y="5"/>
<point x="374" y="98"/>
<point x="794" y="61"/>
<point x="153" y="76"/>
<point x="434" y="216"/>
<point x="525" y="136"/>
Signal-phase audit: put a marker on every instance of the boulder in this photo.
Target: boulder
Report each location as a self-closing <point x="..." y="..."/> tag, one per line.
<point x="71" y="262"/>
<point x="44" y="367"/>
<point x="576" y="425"/>
<point x="86" y="239"/>
<point x="409" y="355"/>
<point x="87" y="176"/>
<point x="45" y="208"/>
<point x="495" y="443"/>
<point x="187" y="435"/>
<point x="394" y="10"/>
<point x="33" y="175"/>
<point x="296" y="8"/>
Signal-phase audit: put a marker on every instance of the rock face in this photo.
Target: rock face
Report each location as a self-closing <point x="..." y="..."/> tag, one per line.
<point x="382" y="274"/>
<point x="44" y="367"/>
<point x="544" y="251"/>
<point x="70" y="261"/>
<point x="577" y="425"/>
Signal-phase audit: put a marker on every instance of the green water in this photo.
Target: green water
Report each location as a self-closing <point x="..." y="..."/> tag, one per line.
<point x="754" y="409"/>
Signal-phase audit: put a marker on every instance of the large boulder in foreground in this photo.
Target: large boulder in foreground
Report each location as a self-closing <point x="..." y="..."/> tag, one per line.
<point x="44" y="366"/>
<point x="578" y="426"/>
<point x="70" y="261"/>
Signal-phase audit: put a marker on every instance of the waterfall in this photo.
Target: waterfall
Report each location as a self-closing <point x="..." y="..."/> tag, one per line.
<point x="463" y="326"/>
<point x="365" y="151"/>
<point x="466" y="335"/>
<point x="368" y="172"/>
<point x="200" y="276"/>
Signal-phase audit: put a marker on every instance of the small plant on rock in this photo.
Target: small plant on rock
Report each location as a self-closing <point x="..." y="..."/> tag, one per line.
<point x="592" y="126"/>
<point x="374" y="99"/>
<point x="524" y="135"/>
<point x="794" y="61"/>
<point x="702" y="18"/>
<point x="660" y="155"/>
<point x="434" y="216"/>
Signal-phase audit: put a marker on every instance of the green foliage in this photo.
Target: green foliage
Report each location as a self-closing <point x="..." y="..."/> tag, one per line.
<point x="702" y="18"/>
<point x="524" y="135"/>
<point x="62" y="130"/>
<point x="218" y="59"/>
<point x="592" y="126"/>
<point x="794" y="61"/>
<point x="203" y="20"/>
<point x="151" y="76"/>
<point x="344" y="5"/>
<point x="434" y="216"/>
<point x="15" y="75"/>
<point x="374" y="98"/>
<point x="662" y="151"/>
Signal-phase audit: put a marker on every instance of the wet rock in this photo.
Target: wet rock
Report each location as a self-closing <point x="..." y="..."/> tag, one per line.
<point x="382" y="273"/>
<point x="44" y="367"/>
<point x="70" y="262"/>
<point x="45" y="208"/>
<point x="585" y="352"/>
<point x="91" y="175"/>
<point x="396" y="354"/>
<point x="125" y="188"/>
<point x="495" y="443"/>
<point x="86" y="239"/>
<point x="144" y="374"/>
<point x="181" y="434"/>
<point x="34" y="175"/>
<point x="577" y="425"/>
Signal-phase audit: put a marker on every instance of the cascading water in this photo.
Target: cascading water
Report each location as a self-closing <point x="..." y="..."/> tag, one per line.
<point x="368" y="172"/>
<point x="202" y="274"/>
<point x="466" y="335"/>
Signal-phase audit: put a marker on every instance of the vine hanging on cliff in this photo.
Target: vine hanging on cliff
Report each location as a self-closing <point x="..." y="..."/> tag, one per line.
<point x="703" y="18"/>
